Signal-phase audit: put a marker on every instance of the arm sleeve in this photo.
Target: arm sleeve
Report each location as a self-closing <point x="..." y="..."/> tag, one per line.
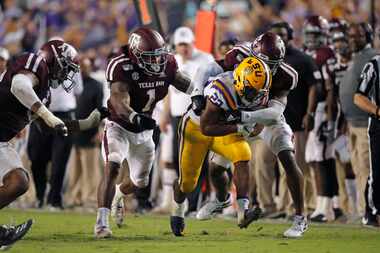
<point x="22" y="89"/>
<point x="202" y="75"/>
<point x="367" y="77"/>
<point x="265" y="116"/>
<point x="78" y="89"/>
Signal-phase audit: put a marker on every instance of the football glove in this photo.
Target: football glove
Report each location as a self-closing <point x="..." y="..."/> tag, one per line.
<point x="245" y="130"/>
<point x="142" y="121"/>
<point x="234" y="116"/>
<point x="104" y="113"/>
<point x="198" y="103"/>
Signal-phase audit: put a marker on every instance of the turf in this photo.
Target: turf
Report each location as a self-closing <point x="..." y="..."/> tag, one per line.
<point x="73" y="232"/>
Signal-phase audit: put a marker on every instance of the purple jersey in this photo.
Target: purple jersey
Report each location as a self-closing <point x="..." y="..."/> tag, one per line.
<point x="13" y="115"/>
<point x="145" y="90"/>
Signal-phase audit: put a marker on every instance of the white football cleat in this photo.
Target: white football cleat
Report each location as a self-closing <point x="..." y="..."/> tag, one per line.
<point x="117" y="207"/>
<point x="102" y="232"/>
<point x="118" y="211"/>
<point x="212" y="207"/>
<point x="298" y="227"/>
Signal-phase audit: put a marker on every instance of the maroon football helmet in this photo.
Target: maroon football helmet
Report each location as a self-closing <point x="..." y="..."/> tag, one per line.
<point x="270" y="48"/>
<point x="147" y="49"/>
<point x="315" y="30"/>
<point x="63" y="63"/>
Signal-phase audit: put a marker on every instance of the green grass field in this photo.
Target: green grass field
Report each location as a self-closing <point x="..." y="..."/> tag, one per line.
<point x="73" y="232"/>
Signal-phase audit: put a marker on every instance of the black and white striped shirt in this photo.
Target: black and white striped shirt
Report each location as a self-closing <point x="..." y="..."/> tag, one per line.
<point x="369" y="84"/>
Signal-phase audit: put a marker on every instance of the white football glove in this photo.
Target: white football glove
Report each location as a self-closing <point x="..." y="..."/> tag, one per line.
<point x="52" y="121"/>
<point x="245" y="129"/>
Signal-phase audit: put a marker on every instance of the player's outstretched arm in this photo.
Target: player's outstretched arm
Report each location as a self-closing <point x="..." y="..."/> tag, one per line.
<point x="93" y="120"/>
<point x="22" y="88"/>
<point x="267" y="115"/>
<point x="201" y="77"/>
<point x="211" y="123"/>
<point x="182" y="83"/>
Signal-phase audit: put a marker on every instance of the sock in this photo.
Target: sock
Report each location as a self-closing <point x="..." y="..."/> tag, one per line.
<point x="335" y="202"/>
<point x="317" y="207"/>
<point x="102" y="218"/>
<point x="243" y="204"/>
<point x="179" y="209"/>
<point x="168" y="177"/>
<point x="352" y="194"/>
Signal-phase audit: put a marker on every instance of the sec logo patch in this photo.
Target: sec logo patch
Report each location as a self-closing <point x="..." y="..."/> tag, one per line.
<point x="135" y="76"/>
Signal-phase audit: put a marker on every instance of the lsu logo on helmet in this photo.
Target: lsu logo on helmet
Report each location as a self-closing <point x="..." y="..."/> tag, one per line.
<point x="252" y="80"/>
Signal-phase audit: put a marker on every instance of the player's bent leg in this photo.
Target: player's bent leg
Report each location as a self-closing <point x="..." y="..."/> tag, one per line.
<point x="295" y="182"/>
<point x="241" y="179"/>
<point x="14" y="184"/>
<point x="294" y="178"/>
<point x="106" y="191"/>
<point x="221" y="182"/>
<point x="236" y="149"/>
<point x="177" y="218"/>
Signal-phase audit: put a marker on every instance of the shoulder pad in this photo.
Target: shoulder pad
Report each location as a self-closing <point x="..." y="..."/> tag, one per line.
<point x="117" y="67"/>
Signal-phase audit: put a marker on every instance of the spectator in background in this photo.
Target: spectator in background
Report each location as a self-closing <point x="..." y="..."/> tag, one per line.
<point x="4" y="57"/>
<point x="189" y="59"/>
<point x="360" y="39"/>
<point x="85" y="172"/>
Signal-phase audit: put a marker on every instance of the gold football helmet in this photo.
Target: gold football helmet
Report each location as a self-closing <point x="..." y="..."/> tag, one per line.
<point x="252" y="80"/>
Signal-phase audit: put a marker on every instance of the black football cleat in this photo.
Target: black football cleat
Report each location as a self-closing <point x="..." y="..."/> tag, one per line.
<point x="177" y="225"/>
<point x="250" y="215"/>
<point x="11" y="234"/>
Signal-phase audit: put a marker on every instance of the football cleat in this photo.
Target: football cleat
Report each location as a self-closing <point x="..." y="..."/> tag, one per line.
<point x="11" y="234"/>
<point x="298" y="227"/>
<point x="102" y="232"/>
<point x="177" y="225"/>
<point x="117" y="210"/>
<point x="321" y="218"/>
<point x="212" y="207"/>
<point x="250" y="215"/>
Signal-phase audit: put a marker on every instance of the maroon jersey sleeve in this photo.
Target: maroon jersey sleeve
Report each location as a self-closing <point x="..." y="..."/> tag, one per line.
<point x="33" y="63"/>
<point x="116" y="68"/>
<point x="284" y="80"/>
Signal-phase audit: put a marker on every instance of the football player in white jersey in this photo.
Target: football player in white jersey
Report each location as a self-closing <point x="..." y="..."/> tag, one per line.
<point x="277" y="134"/>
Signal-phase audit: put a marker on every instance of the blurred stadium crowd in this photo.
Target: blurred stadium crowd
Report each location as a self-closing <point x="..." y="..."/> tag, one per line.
<point x="96" y="28"/>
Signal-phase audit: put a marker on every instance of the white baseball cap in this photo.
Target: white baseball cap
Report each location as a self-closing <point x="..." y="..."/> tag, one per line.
<point x="183" y="35"/>
<point x="4" y="54"/>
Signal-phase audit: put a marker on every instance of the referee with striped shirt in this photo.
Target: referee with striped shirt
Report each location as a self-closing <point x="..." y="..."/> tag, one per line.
<point x="367" y="98"/>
